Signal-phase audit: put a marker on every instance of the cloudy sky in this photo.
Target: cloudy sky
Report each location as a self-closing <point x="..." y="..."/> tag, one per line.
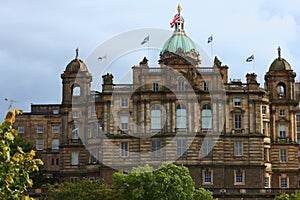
<point x="38" y="38"/>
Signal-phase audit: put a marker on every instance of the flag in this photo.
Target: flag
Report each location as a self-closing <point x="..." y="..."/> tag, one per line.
<point x="250" y="58"/>
<point x="146" y="39"/>
<point x="176" y="18"/>
<point x="102" y="58"/>
<point x="210" y="39"/>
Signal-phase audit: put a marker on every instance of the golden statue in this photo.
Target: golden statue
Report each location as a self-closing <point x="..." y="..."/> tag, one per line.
<point x="179" y="8"/>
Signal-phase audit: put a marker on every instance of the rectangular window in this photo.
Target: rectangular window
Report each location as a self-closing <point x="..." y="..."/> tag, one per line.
<point x="181" y="86"/>
<point x="21" y="129"/>
<point x="237" y="102"/>
<point x="55" y="111"/>
<point x="40" y="129"/>
<point x="298" y="140"/>
<point x="39" y="144"/>
<point x="282" y="131"/>
<point x="75" y="114"/>
<point x="298" y="129"/>
<point x="239" y="177"/>
<point x="55" y="129"/>
<point x="298" y="118"/>
<point x="94" y="156"/>
<point x="238" y="148"/>
<point x="74" y="180"/>
<point x="283" y="182"/>
<point x="263" y="110"/>
<point x="181" y="148"/>
<point x="206" y="86"/>
<point x="55" y="144"/>
<point x="124" y="102"/>
<point x="155" y="148"/>
<point x="238" y="121"/>
<point x="206" y="149"/>
<point x="263" y="128"/>
<point x="124" y="123"/>
<point x="124" y="149"/>
<point x="281" y="112"/>
<point x="75" y="132"/>
<point x="52" y="161"/>
<point x="267" y="182"/>
<point x="57" y="161"/>
<point x="74" y="155"/>
<point x="155" y="86"/>
<point x="207" y="177"/>
<point x="283" y="156"/>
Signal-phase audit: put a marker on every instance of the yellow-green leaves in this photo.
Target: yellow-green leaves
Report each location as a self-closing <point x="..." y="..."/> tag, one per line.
<point x="15" y="167"/>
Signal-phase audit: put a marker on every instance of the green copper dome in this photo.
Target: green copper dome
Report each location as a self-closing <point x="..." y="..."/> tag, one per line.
<point x="179" y="40"/>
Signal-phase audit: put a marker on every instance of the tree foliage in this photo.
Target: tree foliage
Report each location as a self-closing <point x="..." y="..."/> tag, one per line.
<point x="84" y="189"/>
<point x="293" y="196"/>
<point x="142" y="183"/>
<point x="168" y="182"/>
<point x="15" y="167"/>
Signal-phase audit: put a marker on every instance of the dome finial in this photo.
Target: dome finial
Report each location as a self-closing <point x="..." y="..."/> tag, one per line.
<point x="179" y="8"/>
<point x="77" y="53"/>
<point x="279" y="52"/>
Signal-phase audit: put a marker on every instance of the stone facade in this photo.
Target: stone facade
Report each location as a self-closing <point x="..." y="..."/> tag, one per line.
<point x="230" y="134"/>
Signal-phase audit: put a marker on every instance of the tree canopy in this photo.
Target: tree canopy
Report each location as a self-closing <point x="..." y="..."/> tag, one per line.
<point x="168" y="182"/>
<point x="15" y="167"/>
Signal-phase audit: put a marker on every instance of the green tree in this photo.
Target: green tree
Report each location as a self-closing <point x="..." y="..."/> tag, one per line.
<point x="38" y="177"/>
<point x="84" y="189"/>
<point x="293" y="196"/>
<point x="282" y="197"/>
<point x="168" y="182"/>
<point x="16" y="167"/>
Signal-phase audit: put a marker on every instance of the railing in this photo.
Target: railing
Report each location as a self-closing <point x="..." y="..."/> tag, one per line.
<point x="123" y="86"/>
<point x="74" y="141"/>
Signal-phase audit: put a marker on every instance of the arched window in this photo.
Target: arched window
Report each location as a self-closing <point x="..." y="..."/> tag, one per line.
<point x="181" y="116"/>
<point x="76" y="90"/>
<point x="206" y="117"/>
<point x="155" y="117"/>
<point x="281" y="89"/>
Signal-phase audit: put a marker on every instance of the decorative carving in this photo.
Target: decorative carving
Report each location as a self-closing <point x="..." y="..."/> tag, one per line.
<point x="108" y="79"/>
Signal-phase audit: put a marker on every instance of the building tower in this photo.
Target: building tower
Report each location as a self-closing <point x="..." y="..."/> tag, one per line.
<point x="280" y="83"/>
<point x="76" y="82"/>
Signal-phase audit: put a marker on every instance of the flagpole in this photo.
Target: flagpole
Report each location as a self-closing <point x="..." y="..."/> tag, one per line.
<point x="148" y="50"/>
<point x="254" y="64"/>
<point x="212" y="53"/>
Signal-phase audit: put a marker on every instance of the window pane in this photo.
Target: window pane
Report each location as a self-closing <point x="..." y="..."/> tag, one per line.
<point x="155" y="148"/>
<point x="207" y="176"/>
<point x="282" y="131"/>
<point x="74" y="158"/>
<point x="206" y="148"/>
<point x="40" y="129"/>
<point x="39" y="144"/>
<point x="124" y="149"/>
<point x="21" y="129"/>
<point x="283" y="155"/>
<point x="181" y="148"/>
<point x="55" y="144"/>
<point x="75" y="132"/>
<point x="181" y="116"/>
<point x="206" y="117"/>
<point x="238" y="148"/>
<point x="155" y="117"/>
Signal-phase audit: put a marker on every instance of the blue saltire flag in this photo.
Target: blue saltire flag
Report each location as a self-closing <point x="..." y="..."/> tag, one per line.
<point x="250" y="58"/>
<point x="146" y="39"/>
<point x="210" y="39"/>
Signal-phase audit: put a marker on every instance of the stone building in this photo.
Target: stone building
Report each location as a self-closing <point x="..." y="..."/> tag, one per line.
<point x="232" y="135"/>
